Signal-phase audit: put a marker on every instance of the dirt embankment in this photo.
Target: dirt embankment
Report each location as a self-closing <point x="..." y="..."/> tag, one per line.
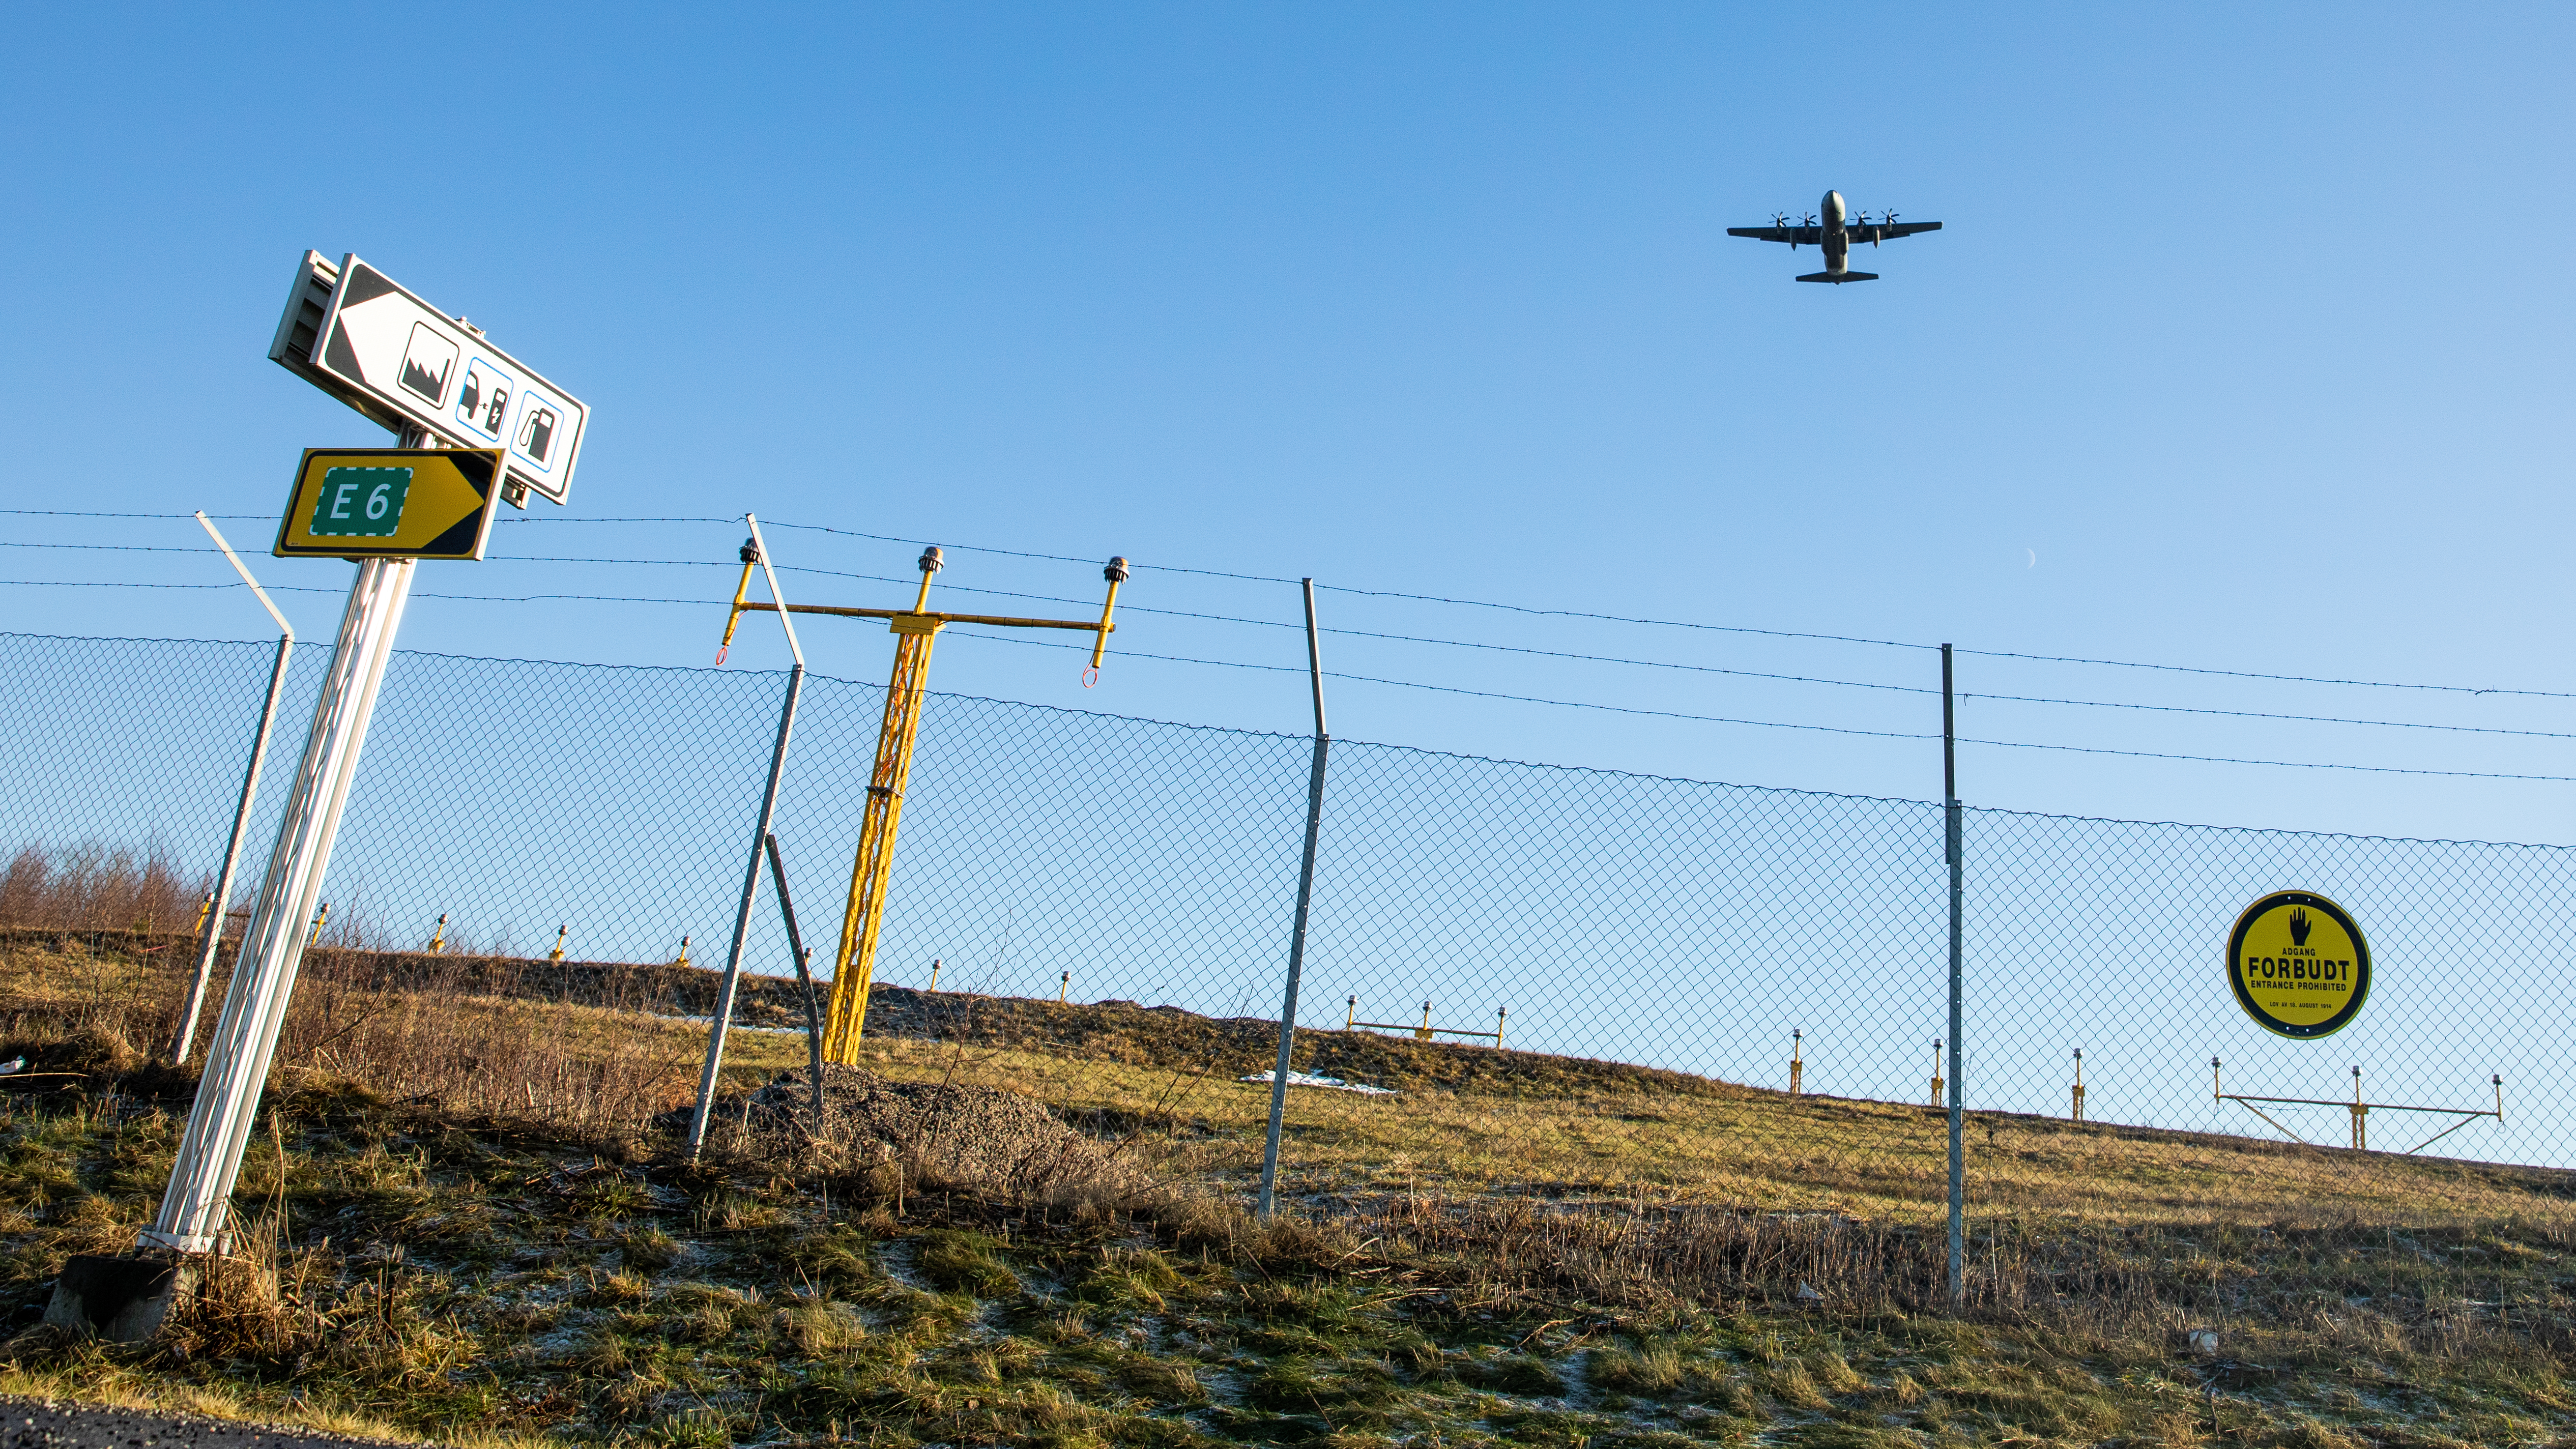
<point x="662" y="988"/>
<point x="1168" y="1037"/>
<point x="1159" y="1037"/>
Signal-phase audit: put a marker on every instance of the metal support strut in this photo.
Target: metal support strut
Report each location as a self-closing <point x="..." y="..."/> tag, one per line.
<point x="854" y="967"/>
<point x="753" y="555"/>
<point x="211" y="923"/>
<point x="2359" y="1110"/>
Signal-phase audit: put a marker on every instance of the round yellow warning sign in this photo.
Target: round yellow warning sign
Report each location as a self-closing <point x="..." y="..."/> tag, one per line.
<point x="2298" y="964"/>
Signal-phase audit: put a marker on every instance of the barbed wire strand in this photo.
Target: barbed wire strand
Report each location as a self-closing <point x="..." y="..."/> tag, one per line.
<point x="1425" y="598"/>
<point x="1475" y="644"/>
<point x="1416" y="684"/>
<point x="1815" y="728"/>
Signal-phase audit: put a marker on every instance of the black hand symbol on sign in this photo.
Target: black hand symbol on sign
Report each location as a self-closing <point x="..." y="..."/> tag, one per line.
<point x="2299" y="926"/>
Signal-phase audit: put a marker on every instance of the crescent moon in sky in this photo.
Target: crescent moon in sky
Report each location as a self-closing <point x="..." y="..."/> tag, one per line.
<point x="2034" y="557"/>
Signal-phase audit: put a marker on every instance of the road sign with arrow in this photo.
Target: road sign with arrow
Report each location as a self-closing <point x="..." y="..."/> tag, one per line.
<point x="362" y="337"/>
<point x="391" y="503"/>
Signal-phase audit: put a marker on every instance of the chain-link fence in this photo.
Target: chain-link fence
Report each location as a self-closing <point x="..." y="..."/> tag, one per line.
<point x="1530" y="978"/>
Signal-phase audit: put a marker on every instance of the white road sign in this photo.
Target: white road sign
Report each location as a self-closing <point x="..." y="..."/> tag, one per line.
<point x="354" y="332"/>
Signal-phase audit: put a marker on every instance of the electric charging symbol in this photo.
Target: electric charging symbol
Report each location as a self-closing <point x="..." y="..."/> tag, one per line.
<point x="484" y="399"/>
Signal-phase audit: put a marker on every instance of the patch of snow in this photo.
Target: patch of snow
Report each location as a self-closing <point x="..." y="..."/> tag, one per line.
<point x="737" y="1026"/>
<point x="1304" y="1079"/>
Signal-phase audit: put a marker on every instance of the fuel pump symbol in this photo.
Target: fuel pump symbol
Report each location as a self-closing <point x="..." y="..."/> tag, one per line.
<point x="537" y="431"/>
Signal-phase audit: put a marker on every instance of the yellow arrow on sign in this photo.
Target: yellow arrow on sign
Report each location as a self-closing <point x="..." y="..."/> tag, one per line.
<point x="391" y="503"/>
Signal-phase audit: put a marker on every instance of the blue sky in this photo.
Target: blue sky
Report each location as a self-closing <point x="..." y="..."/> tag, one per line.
<point x="2243" y="348"/>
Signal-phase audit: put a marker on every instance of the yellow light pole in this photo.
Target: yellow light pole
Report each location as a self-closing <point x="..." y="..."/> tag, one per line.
<point x="854" y="968"/>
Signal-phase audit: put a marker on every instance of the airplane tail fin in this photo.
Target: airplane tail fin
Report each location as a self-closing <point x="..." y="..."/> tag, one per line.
<point x="1839" y="277"/>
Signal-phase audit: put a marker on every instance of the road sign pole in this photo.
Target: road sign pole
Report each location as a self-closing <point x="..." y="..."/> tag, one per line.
<point x="1954" y="849"/>
<point x="1297" y="933"/>
<point x="272" y="950"/>
<point x="215" y="917"/>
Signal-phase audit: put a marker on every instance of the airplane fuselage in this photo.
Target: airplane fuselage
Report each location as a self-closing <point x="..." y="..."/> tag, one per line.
<point x="1837" y="242"/>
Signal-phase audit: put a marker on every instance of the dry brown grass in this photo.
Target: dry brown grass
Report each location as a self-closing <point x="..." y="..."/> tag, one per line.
<point x="444" y="1034"/>
<point x="99" y="1007"/>
<point x="1773" y="1151"/>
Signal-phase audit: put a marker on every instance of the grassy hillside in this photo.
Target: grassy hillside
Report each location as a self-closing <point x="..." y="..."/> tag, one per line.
<point x="464" y="1223"/>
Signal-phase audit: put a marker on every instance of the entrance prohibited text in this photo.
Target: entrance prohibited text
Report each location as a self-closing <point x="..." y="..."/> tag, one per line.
<point x="2298" y="964"/>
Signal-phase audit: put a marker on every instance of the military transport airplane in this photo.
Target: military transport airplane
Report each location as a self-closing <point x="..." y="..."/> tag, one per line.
<point x="1835" y="234"/>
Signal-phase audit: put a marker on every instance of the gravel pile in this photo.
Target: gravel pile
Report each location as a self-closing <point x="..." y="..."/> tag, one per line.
<point x="981" y="1138"/>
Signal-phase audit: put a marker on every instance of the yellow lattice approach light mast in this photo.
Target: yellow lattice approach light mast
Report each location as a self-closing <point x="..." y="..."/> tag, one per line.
<point x="854" y="969"/>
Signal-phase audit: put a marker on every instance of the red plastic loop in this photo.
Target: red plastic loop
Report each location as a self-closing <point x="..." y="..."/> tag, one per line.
<point x="1091" y="676"/>
<point x="721" y="651"/>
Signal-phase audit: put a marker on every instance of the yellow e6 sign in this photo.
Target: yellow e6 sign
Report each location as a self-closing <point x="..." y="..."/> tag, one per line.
<point x="391" y="503"/>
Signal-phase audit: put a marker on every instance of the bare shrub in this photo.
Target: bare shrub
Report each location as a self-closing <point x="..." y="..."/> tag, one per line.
<point x="97" y="887"/>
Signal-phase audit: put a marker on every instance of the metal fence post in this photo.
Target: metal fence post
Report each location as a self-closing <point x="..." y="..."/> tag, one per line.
<point x="1297" y="933"/>
<point x="759" y="843"/>
<point x="1954" y="848"/>
<point x="214" y="934"/>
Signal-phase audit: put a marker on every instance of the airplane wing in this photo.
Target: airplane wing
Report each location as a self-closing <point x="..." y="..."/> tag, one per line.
<point x="1808" y="236"/>
<point x="1889" y="231"/>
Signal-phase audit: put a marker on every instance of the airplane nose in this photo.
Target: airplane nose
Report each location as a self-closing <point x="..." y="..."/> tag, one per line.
<point x="1833" y="203"/>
